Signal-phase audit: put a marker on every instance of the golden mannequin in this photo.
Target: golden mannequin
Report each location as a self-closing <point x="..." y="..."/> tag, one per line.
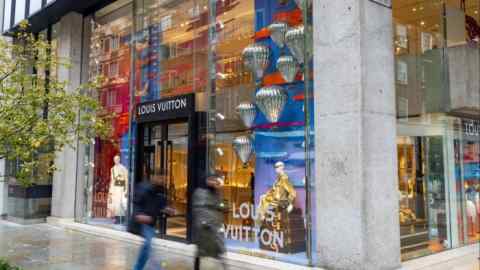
<point x="282" y="193"/>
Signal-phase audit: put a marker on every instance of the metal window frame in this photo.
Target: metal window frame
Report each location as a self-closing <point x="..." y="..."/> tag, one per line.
<point x="3" y="15"/>
<point x="12" y="13"/>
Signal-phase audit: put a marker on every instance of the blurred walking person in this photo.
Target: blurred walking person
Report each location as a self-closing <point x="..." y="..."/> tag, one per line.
<point x="149" y="203"/>
<point x="208" y="211"/>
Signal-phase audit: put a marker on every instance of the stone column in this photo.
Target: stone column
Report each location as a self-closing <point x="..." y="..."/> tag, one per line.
<point x="69" y="37"/>
<point x="3" y="189"/>
<point x="355" y="126"/>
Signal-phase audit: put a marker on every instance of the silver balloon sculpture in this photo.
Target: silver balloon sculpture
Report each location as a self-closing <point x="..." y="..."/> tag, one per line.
<point x="271" y="100"/>
<point x="247" y="113"/>
<point x="288" y="67"/>
<point x="256" y="58"/>
<point x="243" y="147"/>
<point x="277" y="33"/>
<point x="301" y="3"/>
<point x="295" y="40"/>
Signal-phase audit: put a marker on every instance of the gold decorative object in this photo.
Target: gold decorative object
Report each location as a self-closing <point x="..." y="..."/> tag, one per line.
<point x="281" y="195"/>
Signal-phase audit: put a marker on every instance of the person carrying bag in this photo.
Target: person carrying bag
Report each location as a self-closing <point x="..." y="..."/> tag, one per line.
<point x="208" y="221"/>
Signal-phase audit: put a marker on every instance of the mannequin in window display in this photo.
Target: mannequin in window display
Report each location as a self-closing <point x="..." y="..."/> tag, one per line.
<point x="287" y="219"/>
<point x="117" y="193"/>
<point x="471" y="210"/>
<point x="281" y="195"/>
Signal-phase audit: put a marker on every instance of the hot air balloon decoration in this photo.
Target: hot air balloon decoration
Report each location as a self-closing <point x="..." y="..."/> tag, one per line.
<point x="295" y="40"/>
<point x="243" y="147"/>
<point x="247" y="113"/>
<point x="302" y="3"/>
<point x="277" y="33"/>
<point x="256" y="58"/>
<point x="288" y="67"/>
<point x="271" y="100"/>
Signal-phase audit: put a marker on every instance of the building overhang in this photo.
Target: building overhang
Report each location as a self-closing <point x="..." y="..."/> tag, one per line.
<point x="54" y="11"/>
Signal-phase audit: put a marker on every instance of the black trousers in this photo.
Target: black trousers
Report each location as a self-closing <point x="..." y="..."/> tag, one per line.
<point x="197" y="263"/>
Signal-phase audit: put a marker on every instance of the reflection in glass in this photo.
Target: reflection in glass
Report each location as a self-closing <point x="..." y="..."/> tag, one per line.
<point x="436" y="52"/>
<point x="109" y="57"/>
<point x="259" y="142"/>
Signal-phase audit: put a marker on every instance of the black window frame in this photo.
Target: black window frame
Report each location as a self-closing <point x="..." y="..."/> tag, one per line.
<point x="6" y="28"/>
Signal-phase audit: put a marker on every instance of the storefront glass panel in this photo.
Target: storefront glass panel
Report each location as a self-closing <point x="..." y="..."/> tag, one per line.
<point x="257" y="125"/>
<point x="246" y="67"/>
<point x="109" y="56"/>
<point x="437" y="90"/>
<point x="170" y="49"/>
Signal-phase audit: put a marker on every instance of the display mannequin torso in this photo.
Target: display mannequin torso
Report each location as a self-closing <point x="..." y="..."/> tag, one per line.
<point x="117" y="202"/>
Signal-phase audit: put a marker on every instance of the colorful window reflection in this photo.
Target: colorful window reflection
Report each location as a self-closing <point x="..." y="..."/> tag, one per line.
<point x="110" y="58"/>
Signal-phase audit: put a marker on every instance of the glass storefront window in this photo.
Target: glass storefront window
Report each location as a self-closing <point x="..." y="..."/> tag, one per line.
<point x="257" y="125"/>
<point x="437" y="56"/>
<point x="224" y="83"/>
<point x="109" y="57"/>
<point x="170" y="49"/>
<point x="467" y="173"/>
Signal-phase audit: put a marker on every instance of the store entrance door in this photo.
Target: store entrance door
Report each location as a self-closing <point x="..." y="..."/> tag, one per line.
<point x="170" y="147"/>
<point x="165" y="156"/>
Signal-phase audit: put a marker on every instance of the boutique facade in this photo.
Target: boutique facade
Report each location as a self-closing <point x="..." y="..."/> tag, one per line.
<point x="336" y="138"/>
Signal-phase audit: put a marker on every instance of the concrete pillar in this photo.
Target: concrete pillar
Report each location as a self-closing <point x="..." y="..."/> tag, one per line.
<point x="3" y="189"/>
<point x="355" y="127"/>
<point x="69" y="37"/>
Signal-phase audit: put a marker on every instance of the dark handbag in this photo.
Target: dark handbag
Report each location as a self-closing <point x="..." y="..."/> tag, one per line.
<point x="133" y="226"/>
<point x="119" y="183"/>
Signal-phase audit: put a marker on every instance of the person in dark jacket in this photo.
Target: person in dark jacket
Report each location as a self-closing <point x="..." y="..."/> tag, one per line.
<point x="208" y="221"/>
<point x="149" y="203"/>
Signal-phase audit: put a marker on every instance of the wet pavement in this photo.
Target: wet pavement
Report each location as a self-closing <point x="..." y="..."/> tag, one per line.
<point x="45" y="247"/>
<point x="42" y="247"/>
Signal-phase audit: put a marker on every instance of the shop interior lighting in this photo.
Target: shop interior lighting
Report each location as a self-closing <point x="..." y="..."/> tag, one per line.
<point x="222" y="75"/>
<point x="220" y="116"/>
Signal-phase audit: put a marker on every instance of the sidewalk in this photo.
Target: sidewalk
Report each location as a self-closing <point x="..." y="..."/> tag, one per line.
<point x="47" y="247"/>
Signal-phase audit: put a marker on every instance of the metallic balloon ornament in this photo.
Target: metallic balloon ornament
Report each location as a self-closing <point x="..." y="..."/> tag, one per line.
<point x="277" y="33"/>
<point x="243" y="146"/>
<point x="247" y="113"/>
<point x="256" y="58"/>
<point x="288" y="67"/>
<point x="295" y="40"/>
<point x="271" y="100"/>
<point x="301" y="3"/>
